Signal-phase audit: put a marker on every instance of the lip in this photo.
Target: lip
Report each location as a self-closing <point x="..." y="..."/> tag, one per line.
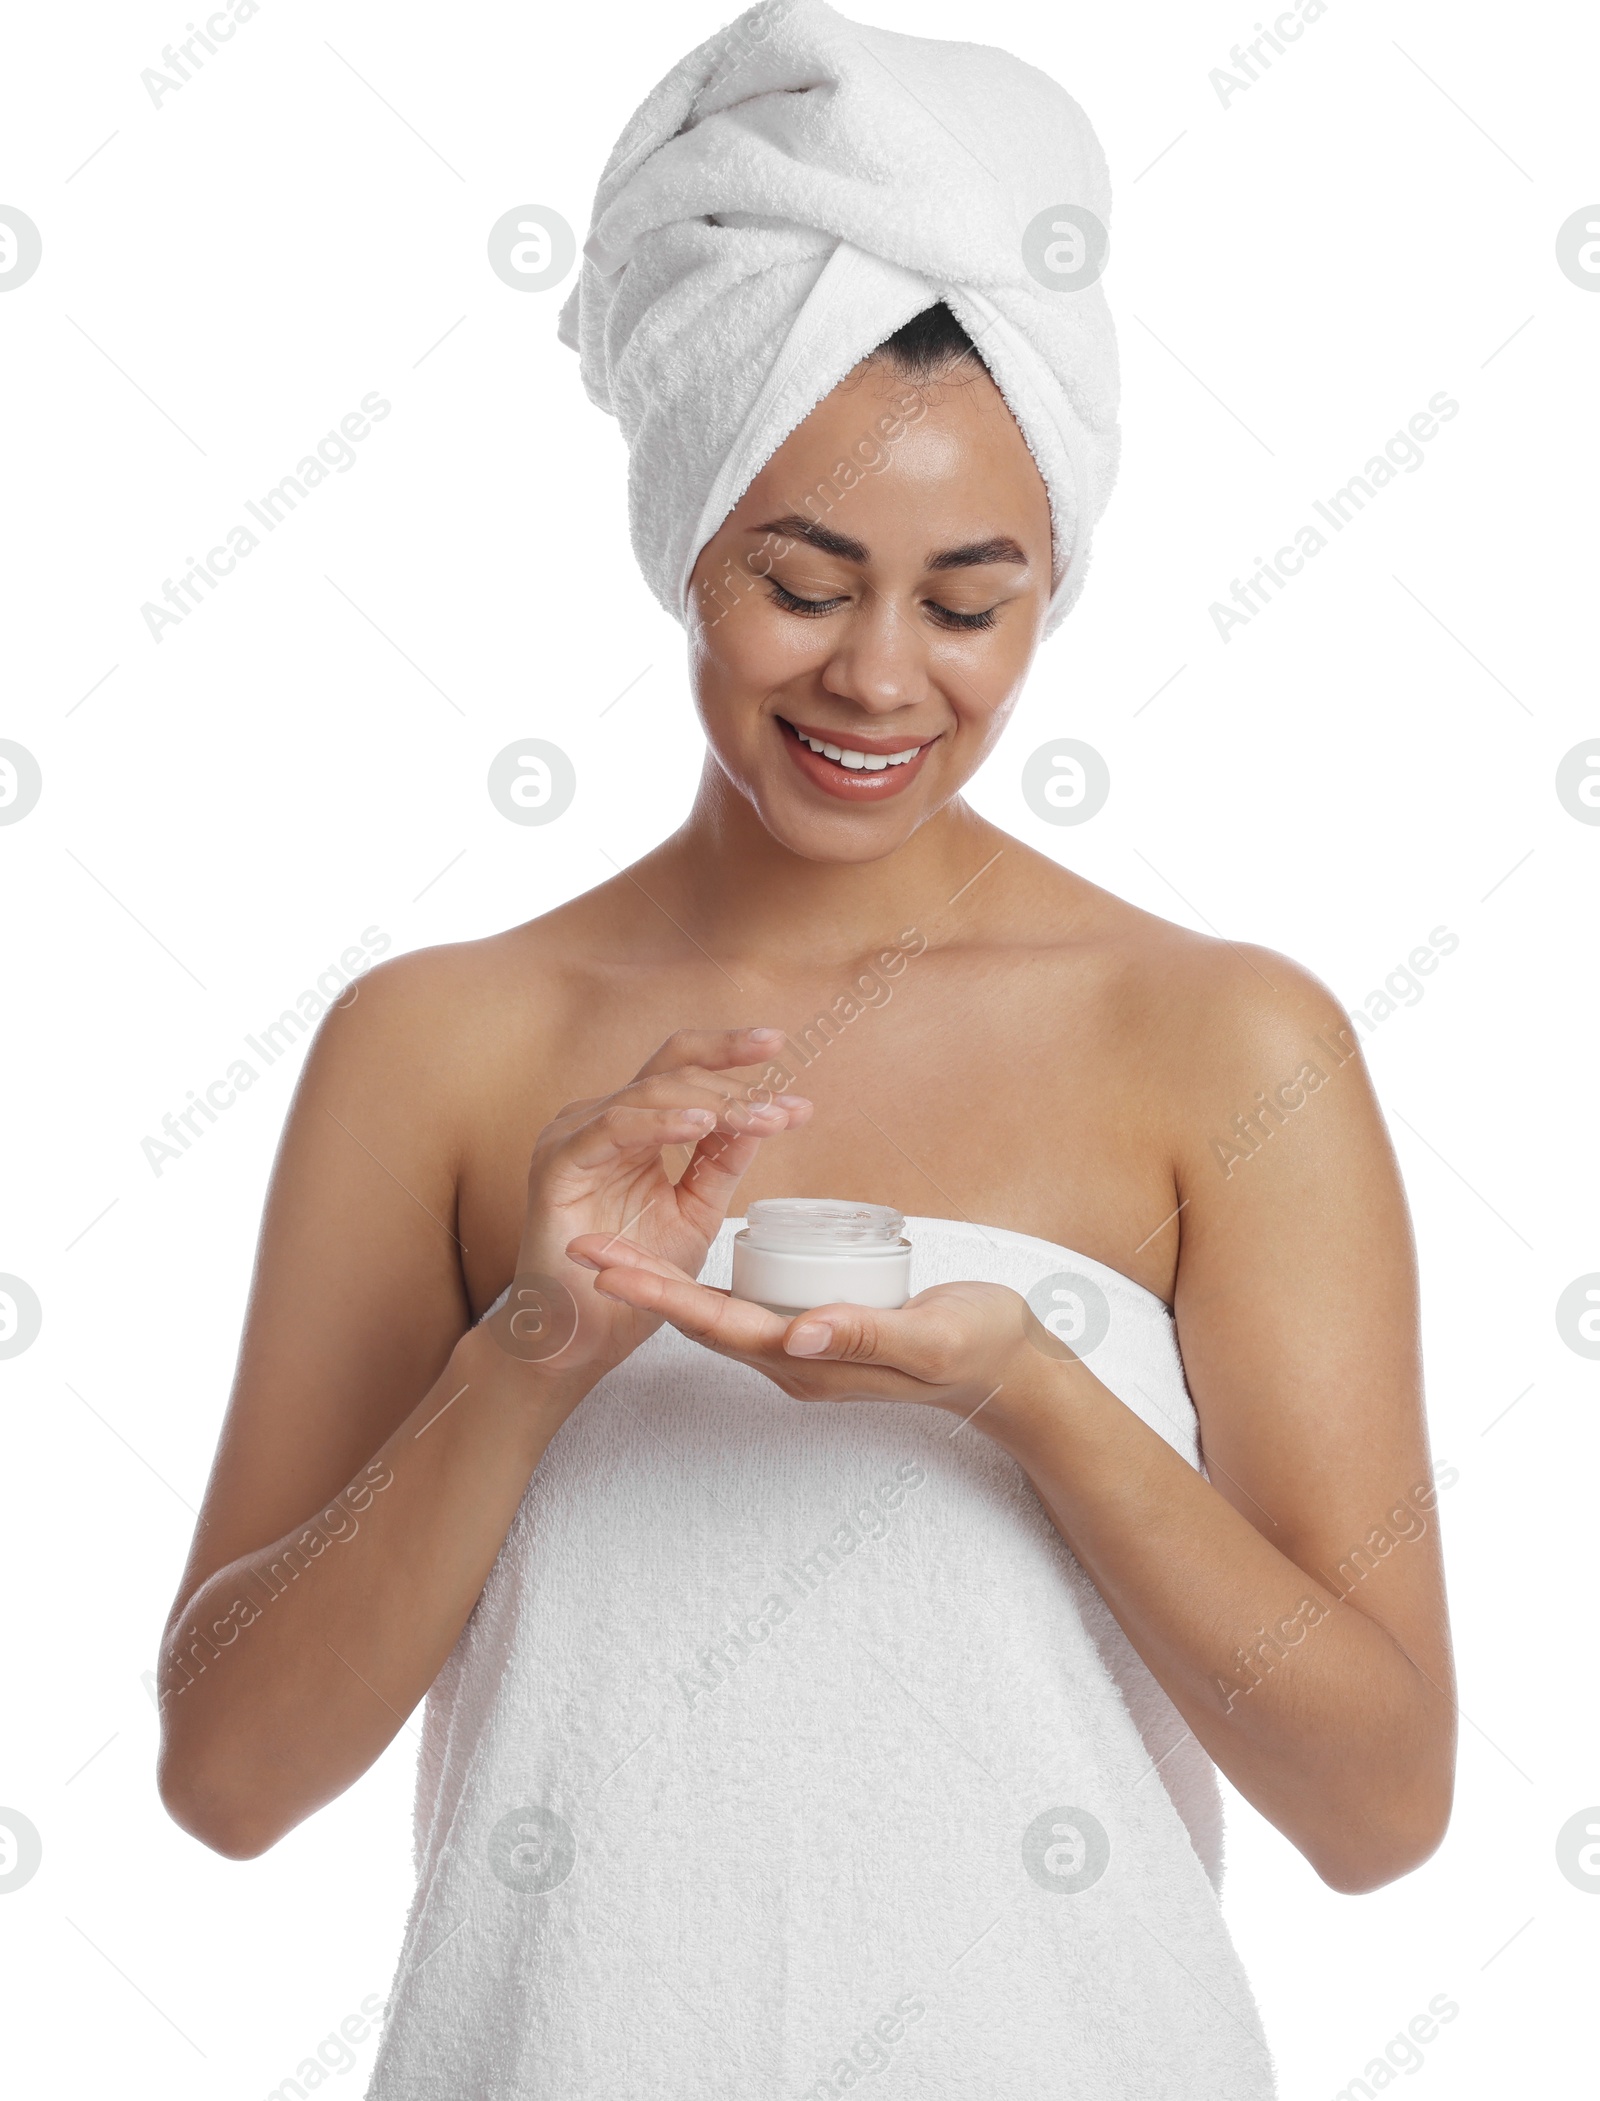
<point x="843" y="783"/>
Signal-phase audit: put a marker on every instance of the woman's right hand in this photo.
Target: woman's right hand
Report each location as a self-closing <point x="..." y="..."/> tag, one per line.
<point x="597" y="1167"/>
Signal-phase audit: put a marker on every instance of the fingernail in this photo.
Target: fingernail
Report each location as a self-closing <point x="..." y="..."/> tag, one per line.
<point x="699" y="1115"/>
<point x="792" y="1101"/>
<point x="809" y="1339"/>
<point x="584" y="1261"/>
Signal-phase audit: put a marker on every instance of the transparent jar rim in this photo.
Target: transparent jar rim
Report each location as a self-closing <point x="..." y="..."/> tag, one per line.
<point x="829" y="1252"/>
<point x="829" y="1226"/>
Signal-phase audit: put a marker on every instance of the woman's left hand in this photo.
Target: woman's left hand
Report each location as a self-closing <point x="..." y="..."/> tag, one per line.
<point x="961" y="1347"/>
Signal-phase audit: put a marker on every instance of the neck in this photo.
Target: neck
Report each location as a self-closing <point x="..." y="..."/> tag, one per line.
<point x="746" y="897"/>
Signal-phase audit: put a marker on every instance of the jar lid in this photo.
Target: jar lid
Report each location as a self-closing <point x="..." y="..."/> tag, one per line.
<point x="817" y="1224"/>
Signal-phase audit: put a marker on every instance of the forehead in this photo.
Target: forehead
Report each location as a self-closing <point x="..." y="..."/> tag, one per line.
<point x="887" y="461"/>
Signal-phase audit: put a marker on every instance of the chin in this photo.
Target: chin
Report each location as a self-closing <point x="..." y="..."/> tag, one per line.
<point x="847" y="836"/>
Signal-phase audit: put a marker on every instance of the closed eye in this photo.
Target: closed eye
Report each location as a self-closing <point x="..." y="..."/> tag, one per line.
<point x="815" y="608"/>
<point x="810" y="607"/>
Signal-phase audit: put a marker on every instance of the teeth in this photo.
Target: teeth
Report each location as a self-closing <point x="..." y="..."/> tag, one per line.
<point x="862" y="761"/>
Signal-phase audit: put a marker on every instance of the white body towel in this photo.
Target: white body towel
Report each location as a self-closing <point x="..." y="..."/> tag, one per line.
<point x="790" y="194"/>
<point x="789" y="1747"/>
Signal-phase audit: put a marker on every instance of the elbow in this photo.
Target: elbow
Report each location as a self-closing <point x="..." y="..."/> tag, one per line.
<point x="1358" y="1875"/>
<point x="208" y="1812"/>
<point x="230" y="1842"/>
<point x="1365" y="1857"/>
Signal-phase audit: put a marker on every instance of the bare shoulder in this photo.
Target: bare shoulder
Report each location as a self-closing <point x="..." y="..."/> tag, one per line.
<point x="441" y="1018"/>
<point x="1202" y="1000"/>
<point x="1249" y="1040"/>
<point x="1224" y="1014"/>
<point x="1253" y="1044"/>
<point x="1221" y="1043"/>
<point x="458" y="981"/>
<point x="1251" y="1069"/>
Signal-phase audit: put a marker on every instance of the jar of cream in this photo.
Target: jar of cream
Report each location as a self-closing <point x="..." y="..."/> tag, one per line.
<point x="796" y="1252"/>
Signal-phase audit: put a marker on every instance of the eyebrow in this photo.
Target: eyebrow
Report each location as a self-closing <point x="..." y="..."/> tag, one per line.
<point x="975" y="554"/>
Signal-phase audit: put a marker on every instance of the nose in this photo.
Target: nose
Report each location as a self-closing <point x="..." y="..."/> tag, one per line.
<point x="879" y="661"/>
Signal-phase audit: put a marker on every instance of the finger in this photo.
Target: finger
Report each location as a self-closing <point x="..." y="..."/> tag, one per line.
<point x="736" y="1327"/>
<point x="681" y="1091"/>
<point x="713" y="1047"/>
<point x="704" y="1083"/>
<point x="600" y="1251"/>
<point x="717" y="1166"/>
<point x="636" y="1130"/>
<point x="735" y="1100"/>
<point x="622" y="1130"/>
<point x="922" y="1342"/>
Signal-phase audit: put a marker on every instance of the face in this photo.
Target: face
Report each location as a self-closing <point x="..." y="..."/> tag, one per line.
<point x="880" y="588"/>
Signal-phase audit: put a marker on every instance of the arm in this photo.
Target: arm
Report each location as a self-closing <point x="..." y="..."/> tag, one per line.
<point x="373" y="1454"/>
<point x="342" y="1623"/>
<point x="1293" y="1605"/>
<point x="376" y="1446"/>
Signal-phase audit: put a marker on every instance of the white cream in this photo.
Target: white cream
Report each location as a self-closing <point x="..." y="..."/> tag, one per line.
<point x="796" y="1252"/>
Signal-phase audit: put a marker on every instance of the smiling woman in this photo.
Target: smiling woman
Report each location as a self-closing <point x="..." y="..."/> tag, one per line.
<point x="947" y="560"/>
<point x="730" y="1783"/>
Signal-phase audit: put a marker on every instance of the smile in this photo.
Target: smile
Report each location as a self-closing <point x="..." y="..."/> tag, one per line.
<point x="869" y="761"/>
<point x="865" y="769"/>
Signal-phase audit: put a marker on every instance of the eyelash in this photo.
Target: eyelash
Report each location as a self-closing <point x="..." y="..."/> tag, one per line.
<point x="814" y="608"/>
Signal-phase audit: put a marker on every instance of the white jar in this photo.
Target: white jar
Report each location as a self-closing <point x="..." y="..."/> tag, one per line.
<point x="796" y="1252"/>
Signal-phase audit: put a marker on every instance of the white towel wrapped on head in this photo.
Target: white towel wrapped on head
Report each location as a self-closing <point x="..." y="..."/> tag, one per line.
<point x="790" y="194"/>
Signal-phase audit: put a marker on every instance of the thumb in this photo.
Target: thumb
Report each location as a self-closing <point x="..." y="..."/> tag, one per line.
<point x="902" y="1338"/>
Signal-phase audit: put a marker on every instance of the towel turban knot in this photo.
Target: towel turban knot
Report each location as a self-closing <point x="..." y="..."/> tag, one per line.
<point x="785" y="198"/>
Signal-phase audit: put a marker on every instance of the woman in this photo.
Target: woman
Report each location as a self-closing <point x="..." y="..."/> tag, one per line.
<point x="814" y="1697"/>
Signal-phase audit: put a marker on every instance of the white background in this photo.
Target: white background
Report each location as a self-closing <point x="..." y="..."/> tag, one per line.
<point x="1293" y="276"/>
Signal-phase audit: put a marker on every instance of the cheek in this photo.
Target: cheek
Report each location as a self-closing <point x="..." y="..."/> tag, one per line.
<point x="753" y="646"/>
<point x="981" y="726"/>
<point x="984" y="685"/>
<point x="733" y="667"/>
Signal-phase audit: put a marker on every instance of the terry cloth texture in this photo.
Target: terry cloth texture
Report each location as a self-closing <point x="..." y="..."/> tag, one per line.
<point x="788" y="1740"/>
<point x="789" y="195"/>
